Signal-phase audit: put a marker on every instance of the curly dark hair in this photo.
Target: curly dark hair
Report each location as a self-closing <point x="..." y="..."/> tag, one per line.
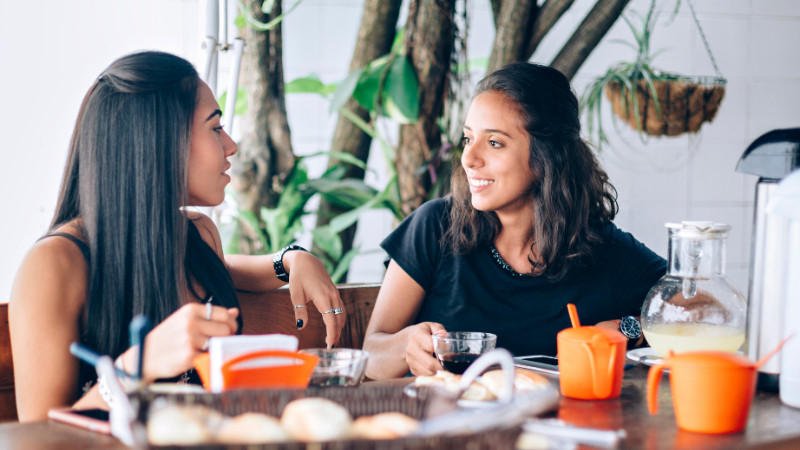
<point x="572" y="196"/>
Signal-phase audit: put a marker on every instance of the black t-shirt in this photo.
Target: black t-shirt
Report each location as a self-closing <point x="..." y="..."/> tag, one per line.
<point x="474" y="292"/>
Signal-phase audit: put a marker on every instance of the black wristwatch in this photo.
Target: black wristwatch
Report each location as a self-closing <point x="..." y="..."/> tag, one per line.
<point x="277" y="261"/>
<point x="631" y="328"/>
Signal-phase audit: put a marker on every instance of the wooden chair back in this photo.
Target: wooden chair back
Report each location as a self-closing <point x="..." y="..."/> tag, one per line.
<point x="263" y="313"/>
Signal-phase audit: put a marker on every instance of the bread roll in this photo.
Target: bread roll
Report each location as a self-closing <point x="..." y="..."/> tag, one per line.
<point x="390" y="425"/>
<point x="178" y="425"/>
<point x="315" y="419"/>
<point x="476" y="391"/>
<point x="251" y="428"/>
<point x="524" y="380"/>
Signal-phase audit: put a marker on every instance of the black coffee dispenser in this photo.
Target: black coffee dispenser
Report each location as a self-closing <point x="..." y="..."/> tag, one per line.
<point x="770" y="157"/>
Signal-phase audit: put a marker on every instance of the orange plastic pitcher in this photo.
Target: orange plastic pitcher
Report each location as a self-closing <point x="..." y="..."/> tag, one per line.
<point x="263" y="369"/>
<point x="711" y="390"/>
<point x="591" y="361"/>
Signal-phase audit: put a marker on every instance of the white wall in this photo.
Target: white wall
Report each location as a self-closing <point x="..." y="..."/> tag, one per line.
<point x="52" y="50"/>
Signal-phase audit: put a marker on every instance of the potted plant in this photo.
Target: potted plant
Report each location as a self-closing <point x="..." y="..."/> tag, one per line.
<point x="652" y="101"/>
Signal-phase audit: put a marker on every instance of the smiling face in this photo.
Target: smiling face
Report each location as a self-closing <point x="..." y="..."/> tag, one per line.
<point x="496" y="155"/>
<point x="208" y="155"/>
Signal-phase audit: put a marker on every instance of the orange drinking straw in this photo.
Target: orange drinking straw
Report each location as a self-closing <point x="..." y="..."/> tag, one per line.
<point x="769" y="355"/>
<point x="573" y="315"/>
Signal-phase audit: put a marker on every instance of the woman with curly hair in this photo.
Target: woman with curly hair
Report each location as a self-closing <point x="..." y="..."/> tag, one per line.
<point x="528" y="228"/>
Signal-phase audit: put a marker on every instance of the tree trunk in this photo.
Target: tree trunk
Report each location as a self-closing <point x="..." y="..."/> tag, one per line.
<point x="265" y="151"/>
<point x="513" y="28"/>
<point x="588" y="34"/>
<point x="430" y="35"/>
<point x="548" y="15"/>
<point x="375" y="36"/>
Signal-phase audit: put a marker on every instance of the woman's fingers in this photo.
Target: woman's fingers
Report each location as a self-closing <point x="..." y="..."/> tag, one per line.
<point x="300" y="315"/>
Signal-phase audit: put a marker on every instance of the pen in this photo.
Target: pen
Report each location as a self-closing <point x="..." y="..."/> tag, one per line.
<point x="138" y="330"/>
<point x="90" y="356"/>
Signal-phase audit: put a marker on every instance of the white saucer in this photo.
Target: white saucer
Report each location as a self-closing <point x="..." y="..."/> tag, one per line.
<point x="645" y="355"/>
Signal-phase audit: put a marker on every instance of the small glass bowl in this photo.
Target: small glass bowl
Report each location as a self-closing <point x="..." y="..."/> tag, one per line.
<point x="338" y="366"/>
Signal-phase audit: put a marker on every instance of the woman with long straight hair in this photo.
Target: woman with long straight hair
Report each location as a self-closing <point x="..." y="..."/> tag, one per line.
<point x="528" y="228"/>
<point x="147" y="144"/>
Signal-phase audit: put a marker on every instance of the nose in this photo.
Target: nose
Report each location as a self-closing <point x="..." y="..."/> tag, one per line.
<point x="229" y="145"/>
<point x="472" y="156"/>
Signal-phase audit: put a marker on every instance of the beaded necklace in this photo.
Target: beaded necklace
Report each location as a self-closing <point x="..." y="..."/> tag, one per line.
<point x="503" y="264"/>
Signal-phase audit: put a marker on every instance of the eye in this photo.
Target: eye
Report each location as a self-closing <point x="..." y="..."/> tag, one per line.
<point x="494" y="143"/>
<point x="465" y="140"/>
<point x="219" y="129"/>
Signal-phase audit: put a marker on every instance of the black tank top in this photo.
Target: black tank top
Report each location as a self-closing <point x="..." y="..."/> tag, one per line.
<point x="204" y="265"/>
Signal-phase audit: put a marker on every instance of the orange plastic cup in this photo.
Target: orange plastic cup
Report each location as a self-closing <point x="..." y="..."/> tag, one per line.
<point x="711" y="391"/>
<point x="264" y="369"/>
<point x="591" y="362"/>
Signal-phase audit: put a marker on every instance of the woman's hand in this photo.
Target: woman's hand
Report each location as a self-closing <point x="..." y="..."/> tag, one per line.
<point x="420" y="356"/>
<point x="170" y="348"/>
<point x="310" y="282"/>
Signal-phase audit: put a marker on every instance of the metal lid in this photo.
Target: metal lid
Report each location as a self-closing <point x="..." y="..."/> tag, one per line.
<point x="696" y="229"/>
<point x="772" y="155"/>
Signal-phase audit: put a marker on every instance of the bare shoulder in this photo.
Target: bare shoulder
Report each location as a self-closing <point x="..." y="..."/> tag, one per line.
<point x="208" y="230"/>
<point x="53" y="276"/>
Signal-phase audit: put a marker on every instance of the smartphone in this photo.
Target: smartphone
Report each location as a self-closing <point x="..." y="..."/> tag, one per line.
<point x="91" y="419"/>
<point x="542" y="363"/>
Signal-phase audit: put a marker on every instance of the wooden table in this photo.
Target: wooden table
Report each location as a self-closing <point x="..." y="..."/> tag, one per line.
<point x="772" y="425"/>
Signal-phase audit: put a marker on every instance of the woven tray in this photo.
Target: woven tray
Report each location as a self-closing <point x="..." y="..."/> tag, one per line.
<point x="364" y="400"/>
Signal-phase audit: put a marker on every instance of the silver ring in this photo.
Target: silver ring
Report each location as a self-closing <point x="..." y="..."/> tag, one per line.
<point x="298" y="306"/>
<point x="205" y="345"/>
<point x="209" y="306"/>
<point x="329" y="311"/>
<point x="337" y="311"/>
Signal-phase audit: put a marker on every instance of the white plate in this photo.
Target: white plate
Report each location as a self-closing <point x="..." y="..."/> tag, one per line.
<point x="645" y="355"/>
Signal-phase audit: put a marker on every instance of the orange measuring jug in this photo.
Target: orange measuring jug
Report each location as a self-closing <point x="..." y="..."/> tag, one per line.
<point x="262" y="369"/>
<point x="711" y="390"/>
<point x="591" y="361"/>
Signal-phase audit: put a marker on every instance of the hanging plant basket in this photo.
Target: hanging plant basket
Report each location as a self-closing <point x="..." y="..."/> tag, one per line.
<point x="652" y="101"/>
<point x="681" y="104"/>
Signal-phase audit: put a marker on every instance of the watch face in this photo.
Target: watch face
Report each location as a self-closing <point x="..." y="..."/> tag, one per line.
<point x="630" y="327"/>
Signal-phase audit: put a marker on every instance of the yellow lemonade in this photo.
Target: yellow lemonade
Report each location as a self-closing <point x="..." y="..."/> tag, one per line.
<point x="686" y="337"/>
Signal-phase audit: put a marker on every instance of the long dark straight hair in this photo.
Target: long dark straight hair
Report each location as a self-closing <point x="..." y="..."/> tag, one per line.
<point x="126" y="178"/>
<point x="571" y="196"/>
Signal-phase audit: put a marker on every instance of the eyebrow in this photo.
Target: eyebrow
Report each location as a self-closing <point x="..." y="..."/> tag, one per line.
<point x="215" y="113"/>
<point x="490" y="130"/>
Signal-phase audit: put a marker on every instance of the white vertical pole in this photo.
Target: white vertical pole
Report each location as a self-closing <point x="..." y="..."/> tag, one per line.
<point x="210" y="42"/>
<point x="233" y="84"/>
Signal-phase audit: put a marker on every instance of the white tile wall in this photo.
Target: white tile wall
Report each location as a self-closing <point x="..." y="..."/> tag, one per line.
<point x="754" y="41"/>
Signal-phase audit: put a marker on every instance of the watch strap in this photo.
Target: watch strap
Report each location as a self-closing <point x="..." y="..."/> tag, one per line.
<point x="277" y="261"/>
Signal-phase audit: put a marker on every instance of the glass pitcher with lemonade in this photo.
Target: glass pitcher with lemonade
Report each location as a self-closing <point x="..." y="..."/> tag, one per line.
<point x="693" y="306"/>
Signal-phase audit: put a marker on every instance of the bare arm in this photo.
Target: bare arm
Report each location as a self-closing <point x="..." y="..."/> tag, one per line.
<point x="309" y="282"/>
<point x="395" y="346"/>
<point x="45" y="312"/>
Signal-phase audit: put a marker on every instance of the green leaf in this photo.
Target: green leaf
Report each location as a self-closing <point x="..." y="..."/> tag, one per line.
<point x="329" y="241"/>
<point x="255" y="224"/>
<point x="240" y="21"/>
<point x="305" y="85"/>
<point x="401" y="92"/>
<point x="240" y="107"/>
<point x="345" y="90"/>
<point x="344" y="264"/>
<point x="341" y="156"/>
<point x="397" y="43"/>
<point x="366" y="92"/>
